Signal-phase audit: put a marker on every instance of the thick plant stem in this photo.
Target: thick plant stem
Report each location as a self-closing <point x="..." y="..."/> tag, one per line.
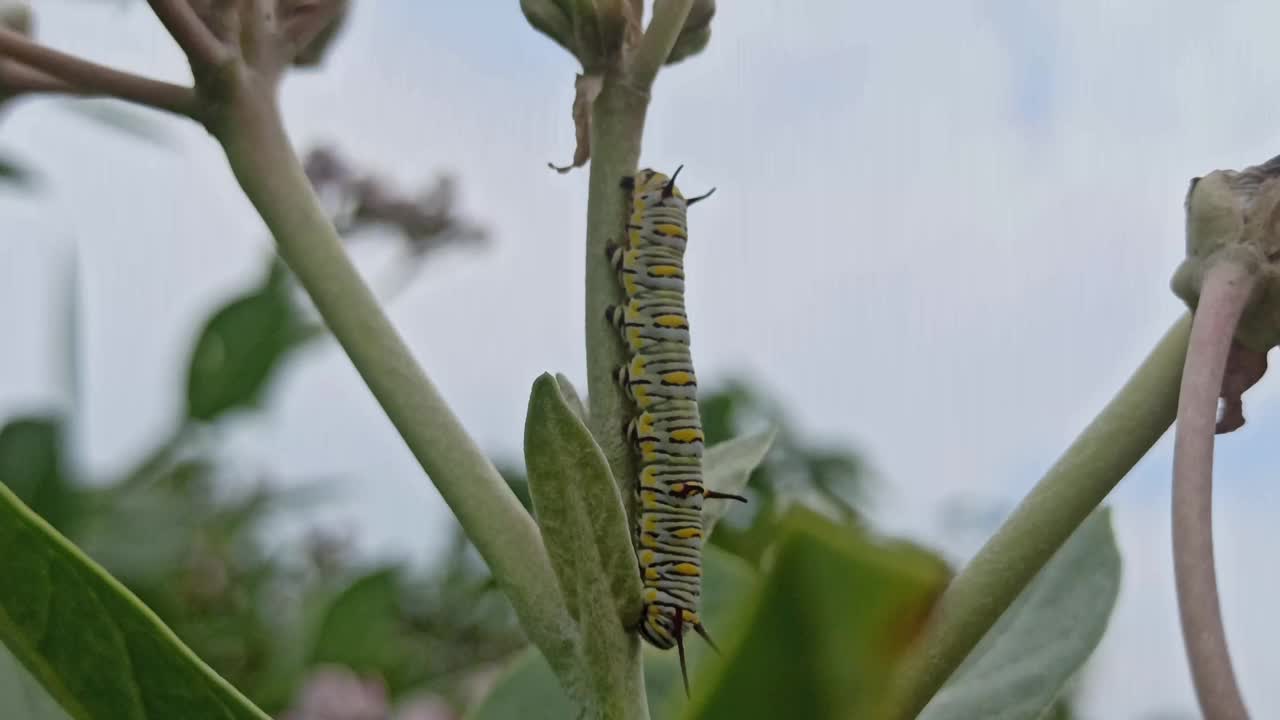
<point x="616" y="126"/>
<point x="1103" y="454"/>
<point x="273" y="179"/>
<point x="1226" y="289"/>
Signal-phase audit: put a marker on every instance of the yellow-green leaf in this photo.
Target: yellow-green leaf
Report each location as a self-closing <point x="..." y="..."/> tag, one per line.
<point x="821" y="637"/>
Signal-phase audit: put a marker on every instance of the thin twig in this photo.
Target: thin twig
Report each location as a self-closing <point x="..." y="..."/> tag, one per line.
<point x="202" y="47"/>
<point x="1226" y="290"/>
<point x="18" y="79"/>
<point x="94" y="79"/>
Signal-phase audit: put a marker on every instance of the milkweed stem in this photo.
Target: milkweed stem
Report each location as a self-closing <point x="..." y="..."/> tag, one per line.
<point x="1226" y="289"/>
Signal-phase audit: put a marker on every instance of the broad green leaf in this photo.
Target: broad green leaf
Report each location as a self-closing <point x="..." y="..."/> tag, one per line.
<point x="822" y="635"/>
<point x="1024" y="661"/>
<point x="726" y="467"/>
<point x="529" y="691"/>
<point x="360" y="629"/>
<point x="92" y="645"/>
<point x="578" y="507"/>
<point x="240" y="347"/>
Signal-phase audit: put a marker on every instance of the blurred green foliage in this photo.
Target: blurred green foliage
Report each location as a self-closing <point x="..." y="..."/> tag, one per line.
<point x="193" y="552"/>
<point x="824" y="476"/>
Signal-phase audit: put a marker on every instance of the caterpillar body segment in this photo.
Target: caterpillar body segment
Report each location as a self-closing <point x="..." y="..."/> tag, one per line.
<point x="649" y="269"/>
<point x="660" y="369"/>
<point x="666" y="430"/>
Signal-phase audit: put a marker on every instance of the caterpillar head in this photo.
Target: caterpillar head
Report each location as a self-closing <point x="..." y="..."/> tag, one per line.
<point x="651" y="188"/>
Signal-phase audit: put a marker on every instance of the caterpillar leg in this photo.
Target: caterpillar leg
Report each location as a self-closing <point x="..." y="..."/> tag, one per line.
<point x="615" y="314"/>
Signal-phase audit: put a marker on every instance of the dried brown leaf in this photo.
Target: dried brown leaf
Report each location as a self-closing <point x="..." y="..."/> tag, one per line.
<point x="588" y="87"/>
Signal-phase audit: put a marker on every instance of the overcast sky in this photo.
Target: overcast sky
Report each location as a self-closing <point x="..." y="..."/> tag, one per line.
<point x="943" y="235"/>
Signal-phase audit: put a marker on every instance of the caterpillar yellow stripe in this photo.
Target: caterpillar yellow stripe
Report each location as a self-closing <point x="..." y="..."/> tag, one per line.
<point x="666" y="429"/>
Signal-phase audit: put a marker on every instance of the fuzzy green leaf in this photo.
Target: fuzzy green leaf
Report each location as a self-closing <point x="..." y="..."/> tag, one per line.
<point x="695" y="34"/>
<point x="584" y="527"/>
<point x="577" y="505"/>
<point x="549" y="19"/>
<point x="822" y="635"/>
<point x="726" y="468"/>
<point x="572" y="397"/>
<point x="93" y="646"/>
<point x="1025" y="660"/>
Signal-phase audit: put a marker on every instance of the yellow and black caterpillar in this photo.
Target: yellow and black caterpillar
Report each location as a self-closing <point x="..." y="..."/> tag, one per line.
<point x="666" y="430"/>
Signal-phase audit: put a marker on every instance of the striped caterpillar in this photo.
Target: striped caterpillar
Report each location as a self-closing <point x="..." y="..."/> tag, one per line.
<point x="666" y="430"/>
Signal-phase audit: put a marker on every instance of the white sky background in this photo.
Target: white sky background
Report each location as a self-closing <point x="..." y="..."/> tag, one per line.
<point x="958" y="221"/>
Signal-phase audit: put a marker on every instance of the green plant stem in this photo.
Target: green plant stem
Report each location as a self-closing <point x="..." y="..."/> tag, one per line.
<point x="659" y="38"/>
<point x="1226" y="290"/>
<point x="617" y="128"/>
<point x="272" y="177"/>
<point x="1103" y="454"/>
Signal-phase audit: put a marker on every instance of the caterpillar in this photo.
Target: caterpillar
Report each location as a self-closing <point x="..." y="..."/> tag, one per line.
<point x="665" y="432"/>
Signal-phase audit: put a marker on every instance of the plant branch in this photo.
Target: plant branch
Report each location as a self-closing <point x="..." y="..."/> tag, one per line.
<point x="1107" y="449"/>
<point x="19" y="79"/>
<point x="659" y="38"/>
<point x="274" y="181"/>
<point x="1226" y="289"/>
<point x="202" y="48"/>
<point x="88" y="78"/>
<point x="616" y="128"/>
